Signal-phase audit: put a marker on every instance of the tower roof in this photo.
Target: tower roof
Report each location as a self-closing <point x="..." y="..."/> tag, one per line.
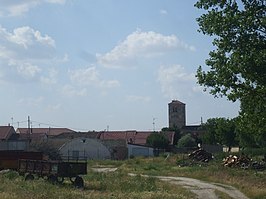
<point x="176" y="102"/>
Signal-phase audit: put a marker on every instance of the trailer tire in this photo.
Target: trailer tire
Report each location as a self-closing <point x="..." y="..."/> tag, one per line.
<point x="60" y="180"/>
<point x="29" y="177"/>
<point x="79" y="182"/>
<point x="52" y="179"/>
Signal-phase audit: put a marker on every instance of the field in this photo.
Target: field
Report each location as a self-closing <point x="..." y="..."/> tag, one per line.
<point x="119" y="184"/>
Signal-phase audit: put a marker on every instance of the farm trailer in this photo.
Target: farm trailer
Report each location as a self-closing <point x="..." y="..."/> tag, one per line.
<point x="9" y="159"/>
<point x="28" y="163"/>
<point x="55" y="171"/>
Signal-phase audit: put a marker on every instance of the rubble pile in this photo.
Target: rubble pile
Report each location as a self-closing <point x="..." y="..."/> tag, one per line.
<point x="235" y="161"/>
<point x="243" y="162"/>
<point x="200" y="155"/>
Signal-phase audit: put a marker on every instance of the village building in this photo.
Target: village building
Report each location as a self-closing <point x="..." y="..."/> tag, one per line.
<point x="9" y="139"/>
<point x="177" y="119"/>
<point x="95" y="144"/>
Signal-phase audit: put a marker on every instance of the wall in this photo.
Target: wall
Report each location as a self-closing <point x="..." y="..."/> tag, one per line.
<point x="14" y="145"/>
<point x="80" y="148"/>
<point x="136" y="150"/>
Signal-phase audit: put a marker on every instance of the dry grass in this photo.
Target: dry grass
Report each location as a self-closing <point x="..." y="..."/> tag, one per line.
<point x="119" y="185"/>
<point x="97" y="185"/>
<point x="250" y="182"/>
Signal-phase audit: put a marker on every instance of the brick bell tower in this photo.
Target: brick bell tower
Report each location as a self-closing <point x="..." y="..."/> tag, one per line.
<point x="177" y="114"/>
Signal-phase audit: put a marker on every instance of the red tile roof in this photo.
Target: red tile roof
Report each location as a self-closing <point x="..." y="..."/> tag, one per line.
<point x="6" y="132"/>
<point x="136" y="137"/>
<point x="43" y="131"/>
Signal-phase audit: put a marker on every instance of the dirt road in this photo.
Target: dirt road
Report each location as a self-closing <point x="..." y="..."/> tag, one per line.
<point x="203" y="190"/>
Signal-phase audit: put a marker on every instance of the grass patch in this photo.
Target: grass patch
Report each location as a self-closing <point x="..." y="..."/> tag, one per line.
<point x="250" y="182"/>
<point x="222" y="195"/>
<point x="119" y="184"/>
<point x="97" y="185"/>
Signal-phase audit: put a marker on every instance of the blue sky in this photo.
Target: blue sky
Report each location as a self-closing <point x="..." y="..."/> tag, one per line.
<point x="92" y="65"/>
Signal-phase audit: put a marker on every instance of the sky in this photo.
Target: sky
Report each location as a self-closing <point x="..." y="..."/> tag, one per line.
<point x="103" y="65"/>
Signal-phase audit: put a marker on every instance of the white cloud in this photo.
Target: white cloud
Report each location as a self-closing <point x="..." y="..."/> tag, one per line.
<point x="16" y="8"/>
<point x="85" y="76"/>
<point x="25" y="43"/>
<point x="110" y="84"/>
<point x="163" y="12"/>
<point x="175" y="81"/>
<point x="26" y="37"/>
<point x="51" y="78"/>
<point x="27" y="70"/>
<point x="91" y="77"/>
<point x="31" y="101"/>
<point x="71" y="91"/>
<point x="141" y="45"/>
<point x="24" y="52"/>
<point x="134" y="98"/>
<point x="55" y="107"/>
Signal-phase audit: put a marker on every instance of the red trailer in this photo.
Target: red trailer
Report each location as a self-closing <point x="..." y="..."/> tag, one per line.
<point x="10" y="159"/>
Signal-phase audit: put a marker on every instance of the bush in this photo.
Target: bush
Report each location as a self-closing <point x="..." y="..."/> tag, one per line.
<point x="254" y="151"/>
<point x="157" y="140"/>
<point x="186" y="141"/>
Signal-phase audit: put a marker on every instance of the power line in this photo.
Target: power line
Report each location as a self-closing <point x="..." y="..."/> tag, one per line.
<point x="57" y="126"/>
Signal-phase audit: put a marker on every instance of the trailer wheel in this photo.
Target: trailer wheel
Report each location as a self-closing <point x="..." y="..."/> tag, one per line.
<point x="29" y="177"/>
<point x="60" y="180"/>
<point x="52" y="179"/>
<point x="79" y="182"/>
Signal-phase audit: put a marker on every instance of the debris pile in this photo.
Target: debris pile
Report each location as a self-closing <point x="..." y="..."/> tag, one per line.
<point x="200" y="155"/>
<point x="235" y="161"/>
<point x="243" y="162"/>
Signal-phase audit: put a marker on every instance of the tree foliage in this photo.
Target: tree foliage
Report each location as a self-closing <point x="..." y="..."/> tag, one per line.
<point x="237" y="65"/>
<point x="177" y="135"/>
<point x="186" y="141"/>
<point x="47" y="149"/>
<point x="220" y="131"/>
<point x="157" y="140"/>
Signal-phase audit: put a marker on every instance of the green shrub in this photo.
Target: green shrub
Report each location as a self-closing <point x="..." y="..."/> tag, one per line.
<point x="254" y="151"/>
<point x="11" y="175"/>
<point x="186" y="141"/>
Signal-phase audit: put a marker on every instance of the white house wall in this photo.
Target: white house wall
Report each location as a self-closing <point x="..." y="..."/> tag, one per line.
<point x="90" y="148"/>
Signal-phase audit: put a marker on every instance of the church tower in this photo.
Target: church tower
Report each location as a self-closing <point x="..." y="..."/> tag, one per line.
<point x="177" y="114"/>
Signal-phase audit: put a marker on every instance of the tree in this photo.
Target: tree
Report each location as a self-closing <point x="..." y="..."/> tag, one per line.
<point x="177" y="135"/>
<point x="226" y="132"/>
<point x="157" y="140"/>
<point x="186" y="141"/>
<point x="209" y="136"/>
<point x="238" y="63"/>
<point x="220" y="131"/>
<point x="47" y="149"/>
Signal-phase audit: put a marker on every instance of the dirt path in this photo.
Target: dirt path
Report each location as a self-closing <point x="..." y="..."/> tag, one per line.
<point x="202" y="189"/>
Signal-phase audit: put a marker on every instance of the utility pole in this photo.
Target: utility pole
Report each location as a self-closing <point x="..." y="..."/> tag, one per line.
<point x="29" y="127"/>
<point x="153" y="123"/>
